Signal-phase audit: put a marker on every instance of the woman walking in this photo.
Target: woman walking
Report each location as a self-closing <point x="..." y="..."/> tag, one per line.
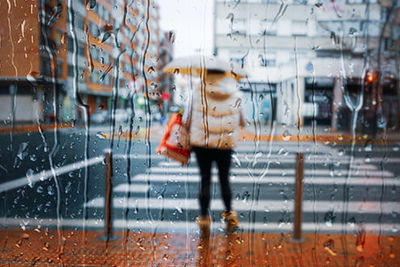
<point x="214" y="130"/>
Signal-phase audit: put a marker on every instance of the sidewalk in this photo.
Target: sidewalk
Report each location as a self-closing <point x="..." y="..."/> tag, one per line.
<point x="76" y="248"/>
<point x="279" y="133"/>
<point x="312" y="134"/>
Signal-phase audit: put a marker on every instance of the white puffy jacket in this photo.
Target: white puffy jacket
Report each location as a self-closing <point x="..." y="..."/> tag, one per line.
<point x="216" y="115"/>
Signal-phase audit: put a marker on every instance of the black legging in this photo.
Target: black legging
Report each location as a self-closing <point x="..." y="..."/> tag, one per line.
<point x="205" y="157"/>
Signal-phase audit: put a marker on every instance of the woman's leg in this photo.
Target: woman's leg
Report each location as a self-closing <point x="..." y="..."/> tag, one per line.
<point x="224" y="164"/>
<point x="204" y="161"/>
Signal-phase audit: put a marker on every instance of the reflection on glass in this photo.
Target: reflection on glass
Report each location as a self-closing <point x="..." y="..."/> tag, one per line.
<point x="79" y="79"/>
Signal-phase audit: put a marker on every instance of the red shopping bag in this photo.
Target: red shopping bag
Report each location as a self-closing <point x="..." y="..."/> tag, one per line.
<point x="175" y="141"/>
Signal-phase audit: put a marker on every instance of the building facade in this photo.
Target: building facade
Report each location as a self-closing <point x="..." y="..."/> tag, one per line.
<point x="62" y="59"/>
<point x="307" y="60"/>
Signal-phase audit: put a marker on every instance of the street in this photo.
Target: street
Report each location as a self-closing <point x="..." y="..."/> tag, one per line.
<point x="54" y="180"/>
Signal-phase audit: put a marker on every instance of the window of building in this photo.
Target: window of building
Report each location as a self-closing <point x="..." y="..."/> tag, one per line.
<point x="355" y="1"/>
<point x="297" y="55"/>
<point x="94" y="52"/>
<point x="59" y="36"/>
<point x="301" y="2"/>
<point x="70" y="70"/>
<point x="239" y="57"/>
<point x="239" y="26"/>
<point x="326" y="28"/>
<point x="94" y="29"/>
<point x="59" y="68"/>
<point x="299" y="27"/>
<point x="267" y="27"/>
<point x="127" y="67"/>
<point x="81" y="49"/>
<point x="371" y="27"/>
<point x="106" y="57"/>
<point x="70" y="45"/>
<point x="267" y="60"/>
<point x="79" y="22"/>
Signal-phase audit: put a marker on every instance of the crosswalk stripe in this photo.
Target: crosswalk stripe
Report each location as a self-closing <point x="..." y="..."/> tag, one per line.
<point x="272" y="171"/>
<point x="311" y="149"/>
<point x="179" y="226"/>
<point x="132" y="188"/>
<point x="245" y="179"/>
<point x="191" y="226"/>
<point x="361" y="172"/>
<point x="316" y="159"/>
<point x="353" y="167"/>
<point x="370" y="207"/>
<point x="284" y="149"/>
<point x="345" y="159"/>
<point x="44" y="175"/>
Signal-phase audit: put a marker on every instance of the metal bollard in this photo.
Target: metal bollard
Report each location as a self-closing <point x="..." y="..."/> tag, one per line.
<point x="108" y="220"/>
<point x="108" y="196"/>
<point x="298" y="197"/>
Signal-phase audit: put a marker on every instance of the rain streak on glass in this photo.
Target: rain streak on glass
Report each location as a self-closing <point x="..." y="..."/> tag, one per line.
<point x="112" y="113"/>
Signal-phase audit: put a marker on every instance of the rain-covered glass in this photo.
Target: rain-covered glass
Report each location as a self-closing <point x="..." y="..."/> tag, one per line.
<point x="199" y="133"/>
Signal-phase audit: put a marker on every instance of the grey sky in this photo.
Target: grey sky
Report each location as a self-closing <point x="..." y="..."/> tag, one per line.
<point x="192" y="22"/>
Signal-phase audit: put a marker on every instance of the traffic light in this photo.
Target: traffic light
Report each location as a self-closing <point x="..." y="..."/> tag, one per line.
<point x="371" y="76"/>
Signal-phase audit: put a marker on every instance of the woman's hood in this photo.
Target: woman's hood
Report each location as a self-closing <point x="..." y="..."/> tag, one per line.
<point x="222" y="89"/>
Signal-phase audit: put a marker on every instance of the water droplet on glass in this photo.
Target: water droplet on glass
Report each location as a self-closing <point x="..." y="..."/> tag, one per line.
<point x="105" y="37"/>
<point x="329" y="246"/>
<point x="39" y="189"/>
<point x="286" y="135"/>
<point x="33" y="157"/>
<point x="381" y="122"/>
<point x="329" y="218"/>
<point x="179" y="209"/>
<point x="236" y="160"/>
<point x="68" y="187"/>
<point x="368" y="147"/>
<point x="29" y="174"/>
<point x="352" y="221"/>
<point x="39" y="207"/>
<point x="21" y="154"/>
<point x="25" y="236"/>
<point x="101" y="135"/>
<point x="92" y="4"/>
<point x="50" y="190"/>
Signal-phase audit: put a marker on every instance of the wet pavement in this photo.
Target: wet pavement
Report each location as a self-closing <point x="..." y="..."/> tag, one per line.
<point x="41" y="247"/>
<point x="350" y="208"/>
